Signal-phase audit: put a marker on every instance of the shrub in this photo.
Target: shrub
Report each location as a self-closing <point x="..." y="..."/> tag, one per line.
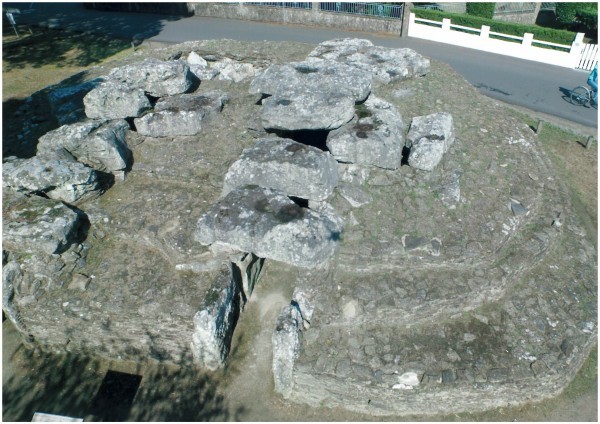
<point x="483" y="10"/>
<point x="566" y="12"/>
<point x="588" y="20"/>
<point x="510" y="28"/>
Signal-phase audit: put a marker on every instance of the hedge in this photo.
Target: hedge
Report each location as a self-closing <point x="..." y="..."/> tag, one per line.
<point x="483" y="10"/>
<point x="540" y="33"/>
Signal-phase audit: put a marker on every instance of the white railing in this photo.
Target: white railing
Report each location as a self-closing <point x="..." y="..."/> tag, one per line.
<point x="589" y="57"/>
<point x="524" y="47"/>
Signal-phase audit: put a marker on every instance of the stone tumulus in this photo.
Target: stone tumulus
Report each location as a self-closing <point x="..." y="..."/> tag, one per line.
<point x="412" y="261"/>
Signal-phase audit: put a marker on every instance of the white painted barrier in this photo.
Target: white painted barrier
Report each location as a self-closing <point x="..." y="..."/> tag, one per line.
<point x="589" y="57"/>
<point x="480" y="38"/>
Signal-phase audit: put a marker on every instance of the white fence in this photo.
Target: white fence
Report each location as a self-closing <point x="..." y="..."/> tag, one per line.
<point x="589" y="57"/>
<point x="479" y="38"/>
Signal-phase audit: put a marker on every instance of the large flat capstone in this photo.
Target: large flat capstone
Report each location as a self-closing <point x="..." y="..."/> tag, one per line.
<point x="37" y="225"/>
<point x="57" y="175"/>
<point x="181" y="115"/>
<point x="99" y="144"/>
<point x="286" y="165"/>
<point x="270" y="225"/>
<point x="317" y="95"/>
<point x="156" y="77"/>
<point x="115" y="100"/>
<point x="385" y="64"/>
<point x="374" y="137"/>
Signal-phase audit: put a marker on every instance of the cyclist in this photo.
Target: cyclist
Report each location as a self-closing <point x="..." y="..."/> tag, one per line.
<point x="593" y="82"/>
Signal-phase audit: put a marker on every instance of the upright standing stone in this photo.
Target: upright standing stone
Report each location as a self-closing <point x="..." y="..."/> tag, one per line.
<point x="286" y="348"/>
<point x="215" y="322"/>
<point x="429" y="138"/>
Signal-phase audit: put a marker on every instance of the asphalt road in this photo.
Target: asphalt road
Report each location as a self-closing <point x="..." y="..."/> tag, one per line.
<point x="539" y="87"/>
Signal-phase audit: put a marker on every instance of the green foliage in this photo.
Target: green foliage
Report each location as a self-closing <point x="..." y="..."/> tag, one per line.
<point x="566" y="12"/>
<point x="483" y="10"/>
<point x="510" y="28"/>
<point x="588" y="20"/>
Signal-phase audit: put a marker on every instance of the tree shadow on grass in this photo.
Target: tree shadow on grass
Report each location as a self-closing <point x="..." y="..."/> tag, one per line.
<point x="68" y="34"/>
<point x="60" y="48"/>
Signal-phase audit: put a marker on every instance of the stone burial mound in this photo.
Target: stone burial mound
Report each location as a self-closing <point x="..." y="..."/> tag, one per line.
<point x="431" y="257"/>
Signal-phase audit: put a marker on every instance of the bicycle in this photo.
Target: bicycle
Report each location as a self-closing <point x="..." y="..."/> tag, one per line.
<point x="582" y="95"/>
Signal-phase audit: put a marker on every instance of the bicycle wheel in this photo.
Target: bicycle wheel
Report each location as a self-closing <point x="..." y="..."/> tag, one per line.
<point x="580" y="96"/>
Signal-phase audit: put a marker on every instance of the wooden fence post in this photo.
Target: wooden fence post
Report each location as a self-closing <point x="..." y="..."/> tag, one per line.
<point x="588" y="143"/>
<point x="539" y="127"/>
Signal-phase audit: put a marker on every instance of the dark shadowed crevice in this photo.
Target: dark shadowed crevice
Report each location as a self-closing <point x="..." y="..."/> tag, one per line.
<point x="303" y="203"/>
<point x="314" y="138"/>
<point x="405" y="154"/>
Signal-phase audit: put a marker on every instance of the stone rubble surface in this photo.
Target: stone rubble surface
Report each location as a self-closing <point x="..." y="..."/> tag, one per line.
<point x="467" y="287"/>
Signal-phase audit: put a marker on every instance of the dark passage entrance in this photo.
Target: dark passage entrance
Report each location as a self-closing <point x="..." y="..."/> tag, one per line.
<point x="115" y="396"/>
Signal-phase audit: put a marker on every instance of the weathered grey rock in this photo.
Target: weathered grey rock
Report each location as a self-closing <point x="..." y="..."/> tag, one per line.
<point x="99" y="145"/>
<point x="286" y="347"/>
<point x="58" y="175"/>
<point x="310" y="95"/>
<point x="37" y="225"/>
<point x="518" y="209"/>
<point x="180" y="115"/>
<point x="195" y="59"/>
<point x="156" y="77"/>
<point x="115" y="100"/>
<point x="356" y="196"/>
<point x="321" y="76"/>
<point x="231" y="70"/>
<point x="270" y="225"/>
<point x="375" y="137"/>
<point x="450" y="191"/>
<point x="66" y="103"/>
<point x="429" y="138"/>
<point x="215" y="322"/>
<point x="294" y="111"/>
<point x="286" y="165"/>
<point x="204" y="72"/>
<point x="387" y="65"/>
<point x="11" y="277"/>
